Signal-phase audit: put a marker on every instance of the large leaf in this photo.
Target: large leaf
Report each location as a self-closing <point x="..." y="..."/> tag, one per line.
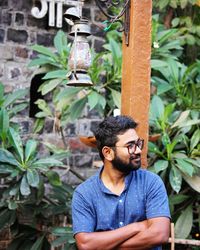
<point x="185" y="166"/>
<point x="155" y="64"/>
<point x="157" y="107"/>
<point x="193" y="181"/>
<point x="33" y="177"/>
<point x="30" y="149"/>
<point x="46" y="162"/>
<point x="77" y="108"/>
<point x="195" y="139"/>
<point x="160" y="165"/>
<point x="38" y="244"/>
<point x="175" y="179"/>
<point x="43" y="50"/>
<point x="10" y="98"/>
<point x="16" y="142"/>
<point x="116" y="95"/>
<point x="182" y="119"/>
<point x="60" y="42"/>
<point x="7" y="157"/>
<point x="24" y="186"/>
<point x="54" y="178"/>
<point x="4" y="123"/>
<point x="95" y="98"/>
<point x="50" y="85"/>
<point x="44" y="107"/>
<point x="56" y="74"/>
<point x="183" y="225"/>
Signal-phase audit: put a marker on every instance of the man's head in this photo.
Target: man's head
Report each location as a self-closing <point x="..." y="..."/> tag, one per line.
<point x="117" y="141"/>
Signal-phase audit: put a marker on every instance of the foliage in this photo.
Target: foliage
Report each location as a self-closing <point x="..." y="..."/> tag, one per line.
<point x="69" y="102"/>
<point x="175" y="157"/>
<point x="24" y="192"/>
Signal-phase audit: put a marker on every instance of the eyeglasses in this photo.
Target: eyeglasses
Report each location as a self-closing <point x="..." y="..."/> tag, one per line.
<point x="132" y="146"/>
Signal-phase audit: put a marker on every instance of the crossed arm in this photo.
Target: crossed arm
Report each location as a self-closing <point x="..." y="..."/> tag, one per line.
<point x="135" y="236"/>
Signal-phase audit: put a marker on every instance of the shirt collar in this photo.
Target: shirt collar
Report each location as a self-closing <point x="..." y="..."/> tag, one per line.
<point x="104" y="189"/>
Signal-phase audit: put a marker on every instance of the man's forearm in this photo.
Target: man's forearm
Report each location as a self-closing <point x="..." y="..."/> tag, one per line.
<point x="156" y="234"/>
<point x="109" y="239"/>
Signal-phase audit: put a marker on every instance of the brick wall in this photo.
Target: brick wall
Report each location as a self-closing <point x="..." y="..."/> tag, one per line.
<point x="18" y="31"/>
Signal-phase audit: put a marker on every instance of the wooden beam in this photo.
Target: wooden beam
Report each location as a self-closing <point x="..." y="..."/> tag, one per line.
<point x="136" y="69"/>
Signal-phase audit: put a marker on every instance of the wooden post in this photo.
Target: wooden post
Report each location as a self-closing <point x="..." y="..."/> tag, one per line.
<point x="136" y="69"/>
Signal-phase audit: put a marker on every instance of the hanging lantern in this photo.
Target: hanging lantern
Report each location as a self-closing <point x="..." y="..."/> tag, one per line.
<point x="80" y="57"/>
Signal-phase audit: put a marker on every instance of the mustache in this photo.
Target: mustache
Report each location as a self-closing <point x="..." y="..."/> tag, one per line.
<point x="135" y="156"/>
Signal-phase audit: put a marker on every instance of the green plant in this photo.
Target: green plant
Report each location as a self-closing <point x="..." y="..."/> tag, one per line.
<point x="69" y="102"/>
<point x="176" y="159"/>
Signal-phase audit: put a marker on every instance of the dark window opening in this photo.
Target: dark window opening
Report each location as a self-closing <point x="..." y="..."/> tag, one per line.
<point x="36" y="82"/>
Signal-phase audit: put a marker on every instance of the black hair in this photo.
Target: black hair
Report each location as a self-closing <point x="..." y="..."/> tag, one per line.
<point x="107" y="131"/>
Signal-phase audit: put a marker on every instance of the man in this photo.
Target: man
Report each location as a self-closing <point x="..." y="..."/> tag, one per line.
<point x="121" y="207"/>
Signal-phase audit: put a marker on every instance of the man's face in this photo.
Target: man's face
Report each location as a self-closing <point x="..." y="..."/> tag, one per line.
<point x="127" y="154"/>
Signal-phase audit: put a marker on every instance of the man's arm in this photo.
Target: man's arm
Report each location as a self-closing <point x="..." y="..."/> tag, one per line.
<point x="109" y="239"/>
<point x="157" y="233"/>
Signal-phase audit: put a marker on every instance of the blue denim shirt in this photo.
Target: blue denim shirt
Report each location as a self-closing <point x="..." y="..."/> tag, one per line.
<point x="95" y="208"/>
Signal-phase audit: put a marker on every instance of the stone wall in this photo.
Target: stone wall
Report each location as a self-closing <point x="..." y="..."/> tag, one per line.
<point x="18" y="31"/>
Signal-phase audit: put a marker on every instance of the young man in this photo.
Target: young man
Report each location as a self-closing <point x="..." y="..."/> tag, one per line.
<point x="121" y="207"/>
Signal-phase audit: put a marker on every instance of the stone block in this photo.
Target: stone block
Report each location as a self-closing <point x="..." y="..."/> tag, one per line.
<point x="17" y="36"/>
<point x="13" y="71"/>
<point x="19" y="19"/>
<point x="99" y="16"/>
<point x="83" y="161"/>
<point x="76" y="146"/>
<point x="1" y="70"/>
<point x="98" y="45"/>
<point x="83" y="127"/>
<point x="21" y="52"/>
<point x="6" y="17"/>
<point x="4" y="3"/>
<point x="45" y="39"/>
<point x="2" y="35"/>
<point x="70" y="129"/>
<point x="21" y="5"/>
<point x="41" y="23"/>
<point x="6" y="52"/>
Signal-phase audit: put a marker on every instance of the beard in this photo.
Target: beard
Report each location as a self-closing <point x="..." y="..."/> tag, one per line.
<point x="133" y="164"/>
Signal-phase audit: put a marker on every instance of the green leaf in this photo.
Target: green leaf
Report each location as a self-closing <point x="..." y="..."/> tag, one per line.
<point x="60" y="42"/>
<point x="182" y="119"/>
<point x="33" y="177"/>
<point x="77" y="108"/>
<point x="16" y="142"/>
<point x="39" y="62"/>
<point x="60" y="241"/>
<point x="183" y="225"/>
<point x="185" y="166"/>
<point x="16" y="109"/>
<point x="7" y="217"/>
<point x="44" y="107"/>
<point x="175" y="179"/>
<point x="54" y="178"/>
<point x="4" y="123"/>
<point x="176" y="199"/>
<point x="30" y="149"/>
<point x="24" y="186"/>
<point x="12" y="205"/>
<point x="1" y="93"/>
<point x="11" y="98"/>
<point x="156" y="64"/>
<point x="38" y="125"/>
<point x="61" y="74"/>
<point x="7" y="157"/>
<point x="43" y="50"/>
<point x="160" y="165"/>
<point x="116" y="95"/>
<point x="46" y="162"/>
<point x="38" y="244"/>
<point x="157" y="107"/>
<point x="59" y="231"/>
<point x="50" y="85"/>
<point x="195" y="139"/>
<point x="193" y="181"/>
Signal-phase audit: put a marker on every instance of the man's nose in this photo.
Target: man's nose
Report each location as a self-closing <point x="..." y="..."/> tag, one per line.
<point x="137" y="150"/>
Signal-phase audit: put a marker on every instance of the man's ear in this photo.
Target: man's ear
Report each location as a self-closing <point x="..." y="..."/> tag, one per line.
<point x="108" y="153"/>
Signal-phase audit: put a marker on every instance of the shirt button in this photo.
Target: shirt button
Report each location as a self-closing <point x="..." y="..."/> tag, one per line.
<point x="120" y="201"/>
<point x="121" y="223"/>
